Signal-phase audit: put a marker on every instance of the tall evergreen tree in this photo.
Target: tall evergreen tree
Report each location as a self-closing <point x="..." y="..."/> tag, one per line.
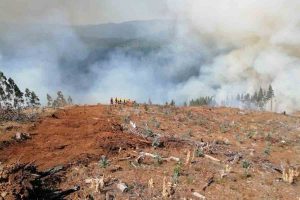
<point x="172" y="103"/>
<point x="270" y="95"/>
<point x="260" y="95"/>
<point x="260" y="99"/>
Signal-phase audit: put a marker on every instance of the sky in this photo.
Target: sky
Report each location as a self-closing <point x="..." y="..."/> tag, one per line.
<point x="80" y="12"/>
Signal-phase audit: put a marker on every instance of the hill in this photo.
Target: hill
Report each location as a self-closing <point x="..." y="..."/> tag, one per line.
<point x="152" y="152"/>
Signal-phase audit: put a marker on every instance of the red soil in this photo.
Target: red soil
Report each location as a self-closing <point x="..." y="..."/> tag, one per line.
<point x="71" y="135"/>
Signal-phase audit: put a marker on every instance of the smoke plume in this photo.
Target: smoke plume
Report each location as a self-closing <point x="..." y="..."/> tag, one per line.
<point x="258" y="44"/>
<point x="215" y="48"/>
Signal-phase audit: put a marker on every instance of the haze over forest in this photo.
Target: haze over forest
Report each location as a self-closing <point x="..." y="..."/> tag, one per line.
<point x="163" y="50"/>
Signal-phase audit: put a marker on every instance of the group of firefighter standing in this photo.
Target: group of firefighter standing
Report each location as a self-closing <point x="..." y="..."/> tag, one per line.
<point x="120" y="101"/>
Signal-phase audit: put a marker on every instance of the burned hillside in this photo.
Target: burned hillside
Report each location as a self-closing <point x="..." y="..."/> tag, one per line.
<point x="149" y="151"/>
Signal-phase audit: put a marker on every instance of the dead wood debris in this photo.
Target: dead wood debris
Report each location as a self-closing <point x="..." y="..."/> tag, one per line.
<point x="198" y="195"/>
<point x="142" y="155"/>
<point x="209" y="182"/>
<point x="24" y="181"/>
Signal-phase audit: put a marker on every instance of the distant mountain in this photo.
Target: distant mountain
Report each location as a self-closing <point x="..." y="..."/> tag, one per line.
<point x="102" y="37"/>
<point x="127" y="30"/>
<point x="77" y="51"/>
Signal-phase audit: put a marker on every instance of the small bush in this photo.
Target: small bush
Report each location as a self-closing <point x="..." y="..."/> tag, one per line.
<point x="267" y="150"/>
<point x="246" y="166"/>
<point x="199" y="152"/>
<point x="158" y="159"/>
<point x="148" y="132"/>
<point x="156" y="143"/>
<point x="176" y="172"/>
<point x="103" y="162"/>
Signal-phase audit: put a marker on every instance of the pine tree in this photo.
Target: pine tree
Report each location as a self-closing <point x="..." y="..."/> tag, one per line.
<point x="260" y="98"/>
<point x="172" y="103"/>
<point x="149" y="102"/>
<point x="260" y="95"/>
<point x="270" y="95"/>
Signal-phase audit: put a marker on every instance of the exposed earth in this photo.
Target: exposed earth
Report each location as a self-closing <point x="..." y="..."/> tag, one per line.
<point x="154" y="152"/>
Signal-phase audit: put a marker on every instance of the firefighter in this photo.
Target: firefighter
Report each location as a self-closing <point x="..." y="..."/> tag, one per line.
<point x="116" y="100"/>
<point x="111" y="101"/>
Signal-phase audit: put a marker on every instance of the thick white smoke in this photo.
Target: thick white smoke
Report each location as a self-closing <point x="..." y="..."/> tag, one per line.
<point x="217" y="48"/>
<point x="260" y="39"/>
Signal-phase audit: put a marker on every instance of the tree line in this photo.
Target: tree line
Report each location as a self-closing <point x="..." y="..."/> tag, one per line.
<point x="60" y="100"/>
<point x="259" y="99"/>
<point x="203" y="101"/>
<point x="12" y="97"/>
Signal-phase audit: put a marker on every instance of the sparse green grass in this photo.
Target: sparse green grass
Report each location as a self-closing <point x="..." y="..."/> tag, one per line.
<point x="246" y="166"/>
<point x="176" y="172"/>
<point x="224" y="128"/>
<point x="267" y="150"/>
<point x="250" y="134"/>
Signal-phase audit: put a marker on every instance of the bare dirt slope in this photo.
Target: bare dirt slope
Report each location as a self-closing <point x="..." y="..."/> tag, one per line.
<point x="223" y="153"/>
<point x="70" y="135"/>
